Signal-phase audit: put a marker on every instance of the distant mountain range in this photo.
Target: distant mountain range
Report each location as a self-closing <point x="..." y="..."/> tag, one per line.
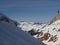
<point x="47" y="33"/>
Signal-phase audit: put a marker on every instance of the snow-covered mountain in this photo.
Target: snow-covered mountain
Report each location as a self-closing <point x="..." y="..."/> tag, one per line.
<point x="10" y="34"/>
<point x="50" y="34"/>
<point x="47" y="33"/>
<point x="27" y="26"/>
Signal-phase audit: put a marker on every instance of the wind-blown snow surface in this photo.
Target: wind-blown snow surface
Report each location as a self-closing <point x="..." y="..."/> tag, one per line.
<point x="53" y="30"/>
<point x="12" y="35"/>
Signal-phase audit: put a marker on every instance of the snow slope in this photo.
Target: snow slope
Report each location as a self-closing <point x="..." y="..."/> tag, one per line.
<point x="49" y="34"/>
<point x="12" y="35"/>
<point x="54" y="31"/>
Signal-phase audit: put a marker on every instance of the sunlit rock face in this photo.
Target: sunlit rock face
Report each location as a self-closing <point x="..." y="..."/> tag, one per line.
<point x="57" y="17"/>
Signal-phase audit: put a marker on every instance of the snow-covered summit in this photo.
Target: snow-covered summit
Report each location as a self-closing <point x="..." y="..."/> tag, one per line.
<point x="57" y="17"/>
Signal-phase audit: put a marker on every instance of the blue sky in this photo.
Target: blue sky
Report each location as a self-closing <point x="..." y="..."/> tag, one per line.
<point x="30" y="10"/>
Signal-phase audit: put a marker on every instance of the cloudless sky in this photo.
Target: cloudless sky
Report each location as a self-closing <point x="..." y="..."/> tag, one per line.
<point x="30" y="10"/>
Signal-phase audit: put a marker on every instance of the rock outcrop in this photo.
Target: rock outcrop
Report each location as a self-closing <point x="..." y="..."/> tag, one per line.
<point x="57" y="17"/>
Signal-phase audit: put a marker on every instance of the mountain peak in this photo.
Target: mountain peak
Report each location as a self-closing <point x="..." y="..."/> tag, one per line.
<point x="57" y="17"/>
<point x="58" y="11"/>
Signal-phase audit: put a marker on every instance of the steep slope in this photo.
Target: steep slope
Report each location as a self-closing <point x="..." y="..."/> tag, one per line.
<point x="12" y="35"/>
<point x="51" y="34"/>
<point x="57" y="17"/>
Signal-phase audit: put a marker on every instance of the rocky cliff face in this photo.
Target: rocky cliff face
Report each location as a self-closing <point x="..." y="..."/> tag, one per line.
<point x="57" y="17"/>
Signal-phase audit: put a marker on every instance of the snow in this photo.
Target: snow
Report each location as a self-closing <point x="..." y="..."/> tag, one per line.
<point x="52" y="29"/>
<point x="12" y="35"/>
<point x="53" y="32"/>
<point x="25" y="26"/>
<point x="57" y="22"/>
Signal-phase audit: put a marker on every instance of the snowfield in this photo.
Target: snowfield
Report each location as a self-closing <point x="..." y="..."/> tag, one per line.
<point x="25" y="26"/>
<point x="50" y="34"/>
